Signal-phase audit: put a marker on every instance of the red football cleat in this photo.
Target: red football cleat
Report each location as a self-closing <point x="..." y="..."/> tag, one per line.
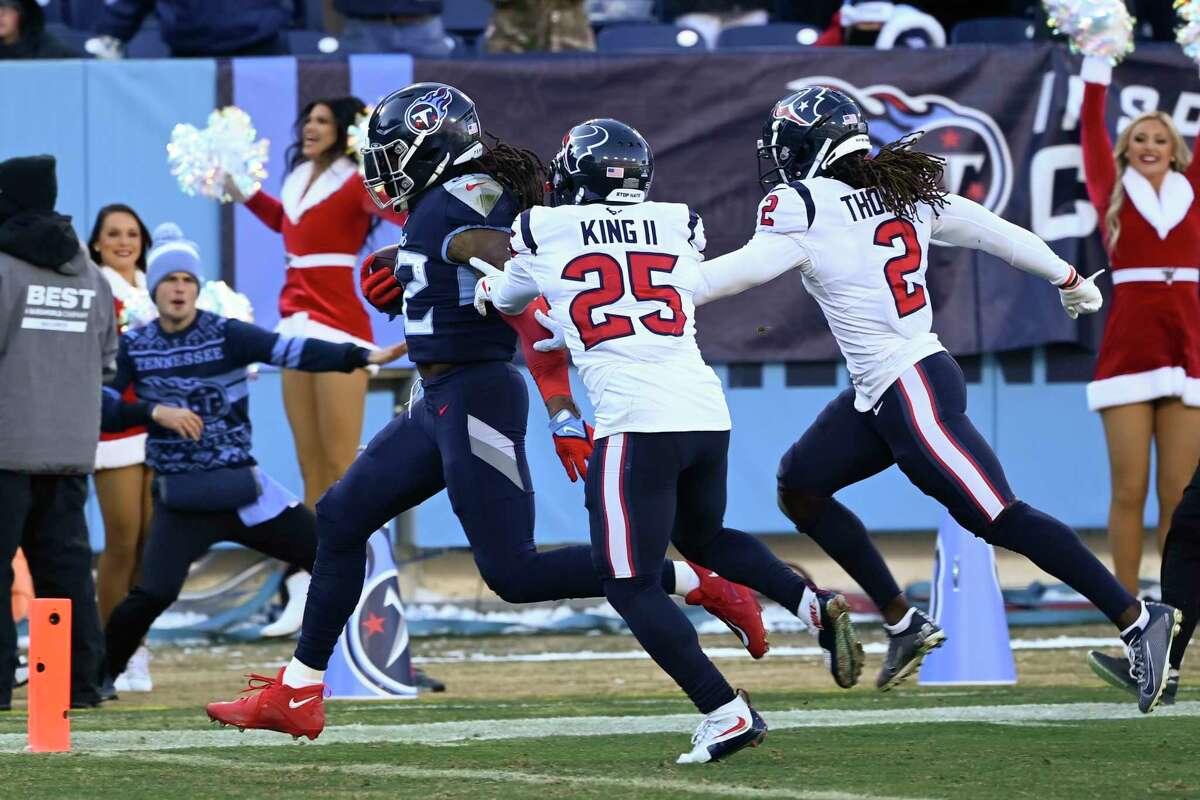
<point x="733" y="604"/>
<point x="275" y="707"/>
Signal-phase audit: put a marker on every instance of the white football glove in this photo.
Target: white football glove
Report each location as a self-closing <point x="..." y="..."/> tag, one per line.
<point x="485" y="285"/>
<point x="1083" y="296"/>
<point x="557" y="340"/>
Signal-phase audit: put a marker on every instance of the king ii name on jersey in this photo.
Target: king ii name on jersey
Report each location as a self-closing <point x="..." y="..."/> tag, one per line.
<point x="621" y="280"/>
<point x="440" y="323"/>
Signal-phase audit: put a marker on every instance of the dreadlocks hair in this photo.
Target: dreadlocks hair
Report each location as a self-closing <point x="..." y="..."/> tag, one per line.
<point x="904" y="177"/>
<point x="518" y="170"/>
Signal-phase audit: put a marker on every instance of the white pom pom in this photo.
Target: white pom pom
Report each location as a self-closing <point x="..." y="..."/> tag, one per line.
<point x="1188" y="34"/>
<point x="1101" y="28"/>
<point x="201" y="159"/>
<point x="220" y="299"/>
<point x="166" y="232"/>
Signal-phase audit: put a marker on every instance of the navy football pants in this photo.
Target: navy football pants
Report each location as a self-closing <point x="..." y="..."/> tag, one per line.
<point x="177" y="540"/>
<point x="920" y="424"/>
<point x="1181" y="566"/>
<point x="646" y="491"/>
<point x="465" y="435"/>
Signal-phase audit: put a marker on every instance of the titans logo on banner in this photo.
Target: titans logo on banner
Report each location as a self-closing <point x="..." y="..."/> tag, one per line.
<point x="428" y="111"/>
<point x="978" y="162"/>
<point x="375" y="638"/>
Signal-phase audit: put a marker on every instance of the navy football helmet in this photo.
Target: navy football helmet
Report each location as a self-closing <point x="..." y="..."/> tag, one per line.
<point x="601" y="160"/>
<point x="413" y="137"/>
<point x="807" y="132"/>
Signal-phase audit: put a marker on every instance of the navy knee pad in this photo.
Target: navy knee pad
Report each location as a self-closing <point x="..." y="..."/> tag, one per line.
<point x="1004" y="531"/>
<point x="621" y="591"/>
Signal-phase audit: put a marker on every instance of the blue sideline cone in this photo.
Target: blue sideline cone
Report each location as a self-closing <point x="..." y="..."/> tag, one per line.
<point x="372" y="656"/>
<point x="967" y="603"/>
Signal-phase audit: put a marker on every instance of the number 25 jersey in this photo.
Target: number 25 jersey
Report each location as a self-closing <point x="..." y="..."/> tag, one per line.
<point x="620" y="279"/>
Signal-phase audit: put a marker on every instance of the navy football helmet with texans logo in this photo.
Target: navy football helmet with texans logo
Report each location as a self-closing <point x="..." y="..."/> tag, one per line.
<point x="601" y="160"/>
<point x="413" y="137"/>
<point x="807" y="132"/>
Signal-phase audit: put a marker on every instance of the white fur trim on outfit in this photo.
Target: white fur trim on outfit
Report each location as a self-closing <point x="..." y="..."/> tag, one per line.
<point x="1164" y="209"/>
<point x="322" y="260"/>
<point x="123" y="452"/>
<point x="294" y="197"/>
<point x="1096" y="70"/>
<point x="121" y="288"/>
<point x="1142" y="387"/>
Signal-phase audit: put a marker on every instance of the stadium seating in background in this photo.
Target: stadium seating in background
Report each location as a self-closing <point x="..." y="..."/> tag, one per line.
<point x="53" y="11"/>
<point x="647" y="37"/>
<point x="469" y="17"/>
<point x="778" y="35"/>
<point x="69" y="36"/>
<point x="992" y="30"/>
<point x="312" y="43"/>
<point x="603" y="12"/>
<point x="309" y="15"/>
<point x="147" y="43"/>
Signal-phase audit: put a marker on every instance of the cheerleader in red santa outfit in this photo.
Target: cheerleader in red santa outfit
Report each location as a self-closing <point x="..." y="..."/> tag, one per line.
<point x="325" y="216"/>
<point x="118" y="244"/>
<point x="1146" y="191"/>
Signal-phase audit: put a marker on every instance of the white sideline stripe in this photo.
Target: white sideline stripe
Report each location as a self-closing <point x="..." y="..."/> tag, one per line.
<point x="945" y="449"/>
<point x="512" y="776"/>
<point x="541" y="727"/>
<point x="785" y="651"/>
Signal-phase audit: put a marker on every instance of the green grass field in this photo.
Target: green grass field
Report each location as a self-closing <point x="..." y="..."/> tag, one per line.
<point x="589" y="734"/>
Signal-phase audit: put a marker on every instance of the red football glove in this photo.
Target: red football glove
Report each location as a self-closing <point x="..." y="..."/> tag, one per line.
<point x="572" y="442"/>
<point x="379" y="284"/>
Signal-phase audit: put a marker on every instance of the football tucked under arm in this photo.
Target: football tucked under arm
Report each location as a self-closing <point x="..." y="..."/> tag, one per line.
<point x="765" y="257"/>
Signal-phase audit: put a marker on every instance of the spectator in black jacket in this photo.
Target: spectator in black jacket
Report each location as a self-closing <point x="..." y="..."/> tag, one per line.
<point x="393" y="26"/>
<point x="23" y="32"/>
<point x="211" y="28"/>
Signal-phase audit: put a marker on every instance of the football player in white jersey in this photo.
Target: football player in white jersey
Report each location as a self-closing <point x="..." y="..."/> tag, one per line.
<point x="620" y="274"/>
<point x="858" y="229"/>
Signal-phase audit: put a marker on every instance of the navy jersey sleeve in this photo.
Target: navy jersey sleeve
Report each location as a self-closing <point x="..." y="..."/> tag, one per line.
<point x="471" y="202"/>
<point x="115" y="413"/>
<point x="250" y="344"/>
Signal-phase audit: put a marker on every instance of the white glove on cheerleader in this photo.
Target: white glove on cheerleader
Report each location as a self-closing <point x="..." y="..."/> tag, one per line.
<point x="1080" y="295"/>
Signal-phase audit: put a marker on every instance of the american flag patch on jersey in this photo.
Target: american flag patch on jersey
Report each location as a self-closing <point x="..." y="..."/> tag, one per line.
<point x="615" y="172"/>
<point x="850" y="119"/>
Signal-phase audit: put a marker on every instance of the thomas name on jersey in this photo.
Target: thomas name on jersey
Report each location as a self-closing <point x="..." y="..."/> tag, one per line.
<point x="863" y="204"/>
<point x="616" y="231"/>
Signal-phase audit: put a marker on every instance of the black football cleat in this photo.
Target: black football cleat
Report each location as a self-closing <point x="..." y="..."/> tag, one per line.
<point x="908" y="649"/>
<point x="1148" y="649"/>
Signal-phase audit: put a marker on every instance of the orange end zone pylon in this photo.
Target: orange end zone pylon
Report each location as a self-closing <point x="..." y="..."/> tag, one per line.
<point x="49" y="675"/>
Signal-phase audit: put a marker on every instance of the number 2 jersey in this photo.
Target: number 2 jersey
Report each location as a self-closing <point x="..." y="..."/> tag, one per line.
<point x="866" y="267"/>
<point x="440" y="322"/>
<point x="621" y="279"/>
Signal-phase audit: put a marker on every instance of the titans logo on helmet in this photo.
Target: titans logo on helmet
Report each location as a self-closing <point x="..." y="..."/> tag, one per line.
<point x="978" y="162"/>
<point x="427" y="112"/>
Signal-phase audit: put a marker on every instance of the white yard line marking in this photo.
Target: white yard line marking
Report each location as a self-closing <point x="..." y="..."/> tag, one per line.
<point x="676" y="787"/>
<point x="538" y="727"/>
<point x="874" y="648"/>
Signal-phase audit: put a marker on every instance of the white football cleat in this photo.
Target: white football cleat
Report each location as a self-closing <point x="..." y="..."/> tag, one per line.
<point x="136" y="677"/>
<point x="292" y="616"/>
<point x="725" y="731"/>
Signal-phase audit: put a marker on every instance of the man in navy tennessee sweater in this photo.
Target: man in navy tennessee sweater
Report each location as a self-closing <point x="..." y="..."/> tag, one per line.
<point x="189" y="369"/>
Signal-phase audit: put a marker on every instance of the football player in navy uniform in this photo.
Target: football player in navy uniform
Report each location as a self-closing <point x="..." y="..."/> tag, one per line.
<point x="466" y="434"/>
<point x="857" y="230"/>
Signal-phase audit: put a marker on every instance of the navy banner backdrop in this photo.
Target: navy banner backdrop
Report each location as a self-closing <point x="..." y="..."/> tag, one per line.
<point x="1005" y="118"/>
